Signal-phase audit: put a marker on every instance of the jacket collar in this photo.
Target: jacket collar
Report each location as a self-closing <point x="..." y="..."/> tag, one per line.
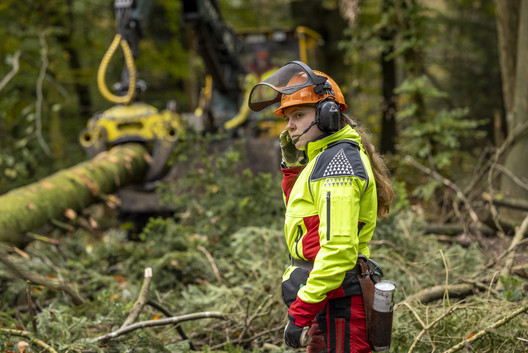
<point x="313" y="148"/>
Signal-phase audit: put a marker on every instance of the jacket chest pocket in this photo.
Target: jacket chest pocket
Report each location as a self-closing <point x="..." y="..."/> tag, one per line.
<point x="340" y="217"/>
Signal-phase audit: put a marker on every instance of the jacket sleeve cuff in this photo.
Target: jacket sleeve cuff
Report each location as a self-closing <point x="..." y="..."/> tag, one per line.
<point x="288" y="179"/>
<point x="302" y="313"/>
<point x="288" y="171"/>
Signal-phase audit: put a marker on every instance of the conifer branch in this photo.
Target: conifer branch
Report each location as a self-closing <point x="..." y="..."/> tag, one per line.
<point x="486" y="330"/>
<point x="29" y="336"/>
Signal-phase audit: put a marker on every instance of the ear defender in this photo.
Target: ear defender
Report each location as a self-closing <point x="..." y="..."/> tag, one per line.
<point x="327" y="115"/>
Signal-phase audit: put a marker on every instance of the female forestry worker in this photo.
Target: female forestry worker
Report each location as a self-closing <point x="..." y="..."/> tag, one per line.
<point x="335" y="185"/>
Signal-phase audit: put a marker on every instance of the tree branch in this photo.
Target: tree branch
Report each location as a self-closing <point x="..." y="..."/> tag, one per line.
<point x="167" y="313"/>
<point x="447" y="183"/>
<point x="500" y="200"/>
<point x="40" y="98"/>
<point x="141" y="300"/>
<point x="29" y="336"/>
<point x="30" y="308"/>
<point x="211" y="261"/>
<point x="161" y="322"/>
<point x="513" y="177"/>
<point x="519" y="234"/>
<point x="13" y="71"/>
<point x="53" y="284"/>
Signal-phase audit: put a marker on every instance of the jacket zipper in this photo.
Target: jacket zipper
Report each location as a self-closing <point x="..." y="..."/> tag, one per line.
<point x="297" y="238"/>
<point x="328" y="215"/>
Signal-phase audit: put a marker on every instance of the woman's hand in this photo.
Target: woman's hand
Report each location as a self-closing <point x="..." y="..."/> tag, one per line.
<point x="291" y="156"/>
<point x="296" y="336"/>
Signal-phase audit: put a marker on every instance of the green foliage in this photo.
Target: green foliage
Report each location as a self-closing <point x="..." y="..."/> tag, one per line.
<point x="225" y="195"/>
<point x="437" y="139"/>
<point x="514" y="288"/>
<point x="275" y="14"/>
<point x="439" y="136"/>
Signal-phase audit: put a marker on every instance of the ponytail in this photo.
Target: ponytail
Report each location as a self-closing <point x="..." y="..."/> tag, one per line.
<point x="379" y="168"/>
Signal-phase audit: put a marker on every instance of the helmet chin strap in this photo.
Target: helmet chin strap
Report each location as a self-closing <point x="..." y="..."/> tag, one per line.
<point x="304" y="132"/>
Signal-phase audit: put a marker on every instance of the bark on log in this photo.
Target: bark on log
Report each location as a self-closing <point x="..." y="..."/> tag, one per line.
<point x="428" y="295"/>
<point x="459" y="290"/>
<point x="30" y="207"/>
<point x="457" y="228"/>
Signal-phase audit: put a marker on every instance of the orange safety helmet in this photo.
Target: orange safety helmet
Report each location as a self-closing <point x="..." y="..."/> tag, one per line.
<point x="295" y="84"/>
<point x="307" y="94"/>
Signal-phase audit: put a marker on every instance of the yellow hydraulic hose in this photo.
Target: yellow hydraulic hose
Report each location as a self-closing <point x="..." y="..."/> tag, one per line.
<point x="129" y="60"/>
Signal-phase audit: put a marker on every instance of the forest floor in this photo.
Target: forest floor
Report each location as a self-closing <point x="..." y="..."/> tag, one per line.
<point x="208" y="277"/>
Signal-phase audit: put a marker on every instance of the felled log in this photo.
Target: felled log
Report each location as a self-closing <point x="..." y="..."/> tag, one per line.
<point x="30" y="207"/>
<point x="457" y="228"/>
<point x="458" y="290"/>
<point x="501" y="200"/>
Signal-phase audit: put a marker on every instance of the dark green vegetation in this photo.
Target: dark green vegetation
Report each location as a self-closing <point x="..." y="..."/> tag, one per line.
<point x="436" y="63"/>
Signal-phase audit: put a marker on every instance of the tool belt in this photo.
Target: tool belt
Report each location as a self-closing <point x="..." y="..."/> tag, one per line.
<point x="373" y="269"/>
<point x="308" y="265"/>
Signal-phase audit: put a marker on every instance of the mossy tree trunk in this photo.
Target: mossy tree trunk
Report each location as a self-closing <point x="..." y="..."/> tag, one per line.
<point x="30" y="207"/>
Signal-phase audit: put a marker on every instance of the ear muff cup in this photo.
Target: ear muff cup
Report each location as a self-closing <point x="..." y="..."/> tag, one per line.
<point x="327" y="115"/>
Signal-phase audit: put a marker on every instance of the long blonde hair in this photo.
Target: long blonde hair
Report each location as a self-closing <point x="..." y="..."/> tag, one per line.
<point x="379" y="168"/>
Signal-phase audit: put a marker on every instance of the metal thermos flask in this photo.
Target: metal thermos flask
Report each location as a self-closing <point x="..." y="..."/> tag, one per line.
<point x="382" y="314"/>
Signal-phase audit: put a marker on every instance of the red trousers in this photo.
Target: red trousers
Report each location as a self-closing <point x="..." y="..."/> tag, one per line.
<point x="340" y="327"/>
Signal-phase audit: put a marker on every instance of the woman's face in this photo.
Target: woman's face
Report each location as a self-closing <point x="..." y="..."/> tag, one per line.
<point x="299" y="119"/>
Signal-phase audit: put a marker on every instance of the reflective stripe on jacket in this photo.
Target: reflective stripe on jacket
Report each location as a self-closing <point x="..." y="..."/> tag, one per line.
<point x="331" y="207"/>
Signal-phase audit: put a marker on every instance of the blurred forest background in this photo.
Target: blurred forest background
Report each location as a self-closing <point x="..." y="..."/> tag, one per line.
<point x="442" y="87"/>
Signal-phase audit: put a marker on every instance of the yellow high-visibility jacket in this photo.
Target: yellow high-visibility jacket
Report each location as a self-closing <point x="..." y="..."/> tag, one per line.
<point x="331" y="208"/>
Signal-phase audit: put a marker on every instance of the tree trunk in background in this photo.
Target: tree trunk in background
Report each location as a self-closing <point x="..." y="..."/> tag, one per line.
<point x="507" y="27"/>
<point x="388" y="71"/>
<point x="349" y="10"/>
<point x="516" y="157"/>
<point x="330" y="24"/>
<point x="64" y="21"/>
<point x="413" y="56"/>
<point x="30" y="207"/>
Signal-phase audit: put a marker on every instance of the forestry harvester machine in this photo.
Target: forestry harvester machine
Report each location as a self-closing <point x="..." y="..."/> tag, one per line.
<point x="131" y="120"/>
<point x="228" y="58"/>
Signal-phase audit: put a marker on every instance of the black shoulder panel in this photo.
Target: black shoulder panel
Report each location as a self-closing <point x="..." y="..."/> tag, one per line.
<point x="340" y="159"/>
